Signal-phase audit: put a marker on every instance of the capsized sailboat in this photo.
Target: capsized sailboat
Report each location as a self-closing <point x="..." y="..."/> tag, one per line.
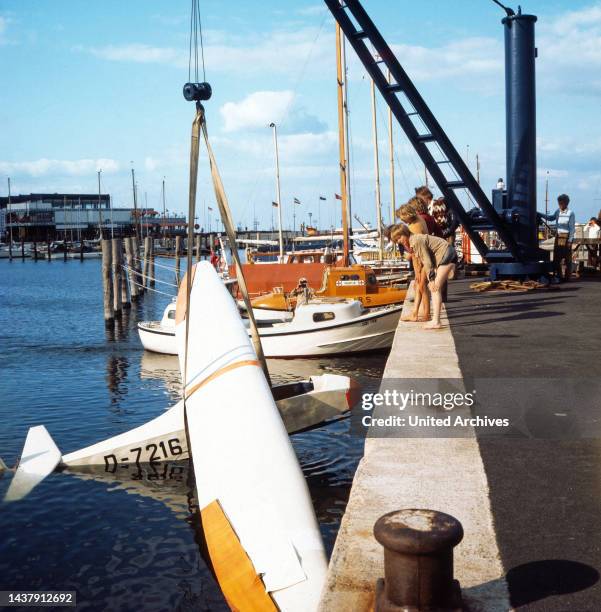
<point x="302" y="405"/>
<point x="257" y="518"/>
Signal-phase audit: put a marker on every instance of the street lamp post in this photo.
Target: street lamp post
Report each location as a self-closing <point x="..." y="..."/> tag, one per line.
<point x="277" y="184"/>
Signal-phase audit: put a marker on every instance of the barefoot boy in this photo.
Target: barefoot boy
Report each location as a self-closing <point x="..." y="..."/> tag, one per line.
<point x="437" y="258"/>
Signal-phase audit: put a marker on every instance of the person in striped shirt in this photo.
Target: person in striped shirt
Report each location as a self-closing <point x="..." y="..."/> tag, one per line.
<point x="563" y="221"/>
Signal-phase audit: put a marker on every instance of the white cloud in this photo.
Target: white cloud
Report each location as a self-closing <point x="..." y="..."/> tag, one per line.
<point x="42" y="167"/>
<point x="284" y="51"/>
<point x="464" y="58"/>
<point x="151" y="164"/>
<point x="258" y="109"/>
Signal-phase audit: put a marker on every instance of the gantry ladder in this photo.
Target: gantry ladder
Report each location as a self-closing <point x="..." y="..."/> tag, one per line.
<point x="429" y="140"/>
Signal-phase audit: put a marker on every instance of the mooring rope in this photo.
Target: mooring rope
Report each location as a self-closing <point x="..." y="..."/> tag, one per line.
<point x="131" y="280"/>
<point x="158" y="280"/>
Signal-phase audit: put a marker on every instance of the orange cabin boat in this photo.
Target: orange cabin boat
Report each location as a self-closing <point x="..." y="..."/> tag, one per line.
<point x="355" y="282"/>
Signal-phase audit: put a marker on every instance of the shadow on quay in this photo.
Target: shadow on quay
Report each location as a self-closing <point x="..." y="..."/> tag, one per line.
<point x="538" y="580"/>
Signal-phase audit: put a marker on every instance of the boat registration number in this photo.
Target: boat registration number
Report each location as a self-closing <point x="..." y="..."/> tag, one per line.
<point x="150" y="453"/>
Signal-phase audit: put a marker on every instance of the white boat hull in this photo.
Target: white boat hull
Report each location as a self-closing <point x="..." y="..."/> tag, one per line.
<point x="156" y="338"/>
<point x="251" y="490"/>
<point x="374" y="331"/>
<point x="371" y="332"/>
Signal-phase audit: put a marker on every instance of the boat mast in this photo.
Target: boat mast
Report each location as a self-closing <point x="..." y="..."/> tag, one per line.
<point x="391" y="149"/>
<point x="164" y="209"/>
<point x="133" y="188"/>
<point x="377" y="172"/>
<point x="99" y="207"/>
<point x="342" y="147"/>
<point x="278" y="191"/>
<point x="347" y="140"/>
<point x="10" y="216"/>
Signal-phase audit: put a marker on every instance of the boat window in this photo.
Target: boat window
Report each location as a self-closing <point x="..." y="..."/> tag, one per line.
<point x="171" y="314"/>
<point x="371" y="279"/>
<point x="354" y="277"/>
<point x="318" y="317"/>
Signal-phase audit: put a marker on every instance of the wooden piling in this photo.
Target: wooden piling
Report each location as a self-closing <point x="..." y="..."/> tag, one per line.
<point x="134" y="290"/>
<point x="81" y="250"/>
<point x="178" y="248"/>
<point x="137" y="266"/>
<point x="117" y="272"/>
<point x="151" y="270"/>
<point x="49" y="252"/>
<point x="22" y="248"/>
<point x="125" y="299"/>
<point x="35" y="250"/>
<point x="107" y="285"/>
<point x="146" y="261"/>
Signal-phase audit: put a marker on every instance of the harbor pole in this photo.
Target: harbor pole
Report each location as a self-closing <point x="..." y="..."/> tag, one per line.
<point x="23" y="249"/>
<point x="151" y="261"/>
<point x="137" y="267"/>
<point x="178" y="248"/>
<point x="198" y="243"/>
<point x="106" y="283"/>
<point x="48" y="247"/>
<point x="35" y="250"/>
<point x="134" y="291"/>
<point x="146" y="261"/>
<point x="125" y="298"/>
<point x="117" y="271"/>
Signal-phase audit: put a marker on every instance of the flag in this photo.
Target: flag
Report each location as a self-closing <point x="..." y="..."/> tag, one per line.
<point x="338" y="197"/>
<point x="322" y="198"/>
<point x="275" y="204"/>
<point x="296" y="201"/>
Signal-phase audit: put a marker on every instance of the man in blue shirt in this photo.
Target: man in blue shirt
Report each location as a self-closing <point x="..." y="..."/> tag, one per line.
<point x="563" y="221"/>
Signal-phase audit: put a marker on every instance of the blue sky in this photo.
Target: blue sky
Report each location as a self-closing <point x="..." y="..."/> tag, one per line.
<point x="98" y="85"/>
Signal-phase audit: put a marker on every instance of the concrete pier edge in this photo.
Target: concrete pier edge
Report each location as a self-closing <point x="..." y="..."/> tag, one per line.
<point x="440" y="474"/>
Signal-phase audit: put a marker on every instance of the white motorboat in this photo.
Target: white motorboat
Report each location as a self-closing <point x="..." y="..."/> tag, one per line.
<point x="318" y="327"/>
<point x="159" y="336"/>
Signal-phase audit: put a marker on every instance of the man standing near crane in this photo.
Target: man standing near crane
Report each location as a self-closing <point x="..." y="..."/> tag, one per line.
<point x="565" y="227"/>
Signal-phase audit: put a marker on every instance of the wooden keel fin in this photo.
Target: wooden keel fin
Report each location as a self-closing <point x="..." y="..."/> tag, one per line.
<point x="241" y="586"/>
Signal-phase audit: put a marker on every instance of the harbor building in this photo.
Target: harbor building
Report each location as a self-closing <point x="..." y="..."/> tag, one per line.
<point x="68" y="216"/>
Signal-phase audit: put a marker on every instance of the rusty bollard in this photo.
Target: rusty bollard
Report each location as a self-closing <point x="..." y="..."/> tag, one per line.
<point x="418" y="562"/>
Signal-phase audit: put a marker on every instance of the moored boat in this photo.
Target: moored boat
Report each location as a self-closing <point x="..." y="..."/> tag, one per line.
<point x="321" y="326"/>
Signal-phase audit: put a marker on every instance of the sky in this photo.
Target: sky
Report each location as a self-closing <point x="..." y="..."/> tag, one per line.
<point x="98" y="85"/>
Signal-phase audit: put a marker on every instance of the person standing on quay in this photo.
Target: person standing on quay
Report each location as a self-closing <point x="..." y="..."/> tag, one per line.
<point x="437" y="259"/>
<point x="565" y="228"/>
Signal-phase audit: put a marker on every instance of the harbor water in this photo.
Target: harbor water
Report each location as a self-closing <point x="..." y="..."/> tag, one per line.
<point x="125" y="540"/>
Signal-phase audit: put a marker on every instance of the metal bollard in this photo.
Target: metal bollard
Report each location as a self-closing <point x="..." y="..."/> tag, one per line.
<point x="418" y="562"/>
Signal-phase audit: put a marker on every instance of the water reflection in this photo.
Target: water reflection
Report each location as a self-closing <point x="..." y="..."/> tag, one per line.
<point x="116" y="377"/>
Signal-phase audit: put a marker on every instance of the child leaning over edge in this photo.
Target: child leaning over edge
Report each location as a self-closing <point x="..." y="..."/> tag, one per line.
<point x="417" y="225"/>
<point x="437" y="258"/>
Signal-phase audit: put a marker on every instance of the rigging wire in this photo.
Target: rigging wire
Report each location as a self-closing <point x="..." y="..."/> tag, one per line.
<point x="195" y="38"/>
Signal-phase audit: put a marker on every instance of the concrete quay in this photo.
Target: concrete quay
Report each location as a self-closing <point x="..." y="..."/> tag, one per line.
<point x="529" y="506"/>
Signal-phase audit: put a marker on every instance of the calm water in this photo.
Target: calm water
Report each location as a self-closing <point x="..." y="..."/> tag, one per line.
<point x="127" y="543"/>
